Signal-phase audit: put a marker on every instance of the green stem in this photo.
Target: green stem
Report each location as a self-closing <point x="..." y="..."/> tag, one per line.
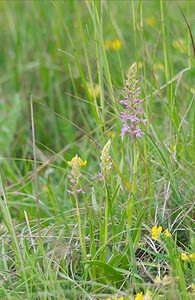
<point x="81" y="238"/>
<point x="105" y="225"/>
<point x="164" y="40"/>
<point x="106" y="216"/>
<point x="131" y="202"/>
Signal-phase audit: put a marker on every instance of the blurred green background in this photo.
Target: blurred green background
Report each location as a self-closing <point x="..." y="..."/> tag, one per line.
<point x="41" y="44"/>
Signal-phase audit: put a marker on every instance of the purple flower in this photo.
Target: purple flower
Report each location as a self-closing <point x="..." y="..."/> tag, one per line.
<point x="140" y="109"/>
<point x="79" y="191"/>
<point x="144" y="121"/>
<point x="132" y="118"/>
<point x="101" y="176"/>
<point x="124" y="116"/>
<point x="73" y="180"/>
<point x="133" y="114"/>
<point x="123" y="101"/>
<point x="138" y="101"/>
<point x="124" y="130"/>
<point x="138" y="132"/>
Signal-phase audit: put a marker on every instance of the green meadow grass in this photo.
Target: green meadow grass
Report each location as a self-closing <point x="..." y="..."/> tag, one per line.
<point x="61" y="81"/>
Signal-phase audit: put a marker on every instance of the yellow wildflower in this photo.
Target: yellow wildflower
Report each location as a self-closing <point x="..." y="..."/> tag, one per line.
<point x="180" y="45"/>
<point x="139" y="296"/>
<point x="76" y="160"/>
<point x="151" y="21"/>
<point x="93" y="89"/>
<point x="192" y="256"/>
<point x="115" y="44"/>
<point x="184" y="256"/>
<point x="167" y="233"/>
<point x="156" y="231"/>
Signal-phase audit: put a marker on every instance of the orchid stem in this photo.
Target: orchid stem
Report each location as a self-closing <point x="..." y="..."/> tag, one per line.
<point x="81" y="238"/>
<point x="131" y="202"/>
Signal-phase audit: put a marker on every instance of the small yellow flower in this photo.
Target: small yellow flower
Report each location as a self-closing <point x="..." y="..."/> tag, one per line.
<point x="139" y="296"/>
<point x="192" y="256"/>
<point x="115" y="44"/>
<point x="76" y="160"/>
<point x="184" y="256"/>
<point x="93" y="89"/>
<point x="156" y="232"/>
<point x="167" y="233"/>
<point x="151" y="21"/>
<point x="180" y="45"/>
<point x="82" y="163"/>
